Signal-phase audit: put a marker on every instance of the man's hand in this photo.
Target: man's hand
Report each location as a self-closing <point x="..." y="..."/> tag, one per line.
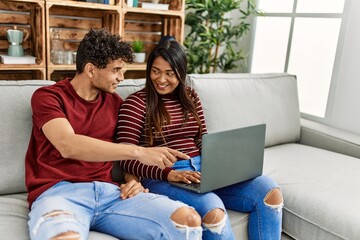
<point x="160" y="156"/>
<point x="184" y="176"/>
<point x="131" y="189"/>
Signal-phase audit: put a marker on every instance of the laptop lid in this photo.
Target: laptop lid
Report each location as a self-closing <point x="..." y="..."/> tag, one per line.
<point x="232" y="156"/>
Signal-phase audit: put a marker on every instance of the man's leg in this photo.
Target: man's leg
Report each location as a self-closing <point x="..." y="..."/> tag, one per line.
<point x="56" y="215"/>
<point x="145" y="216"/>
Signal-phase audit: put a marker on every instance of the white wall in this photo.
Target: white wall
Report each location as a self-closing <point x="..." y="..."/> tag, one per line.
<point x="344" y="100"/>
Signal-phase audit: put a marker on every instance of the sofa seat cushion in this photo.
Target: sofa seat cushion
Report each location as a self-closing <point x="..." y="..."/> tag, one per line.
<point x="239" y="224"/>
<point x="318" y="187"/>
<point x="14" y="216"/>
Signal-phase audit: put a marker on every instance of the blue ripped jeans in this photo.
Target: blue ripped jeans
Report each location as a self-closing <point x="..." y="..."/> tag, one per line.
<point x="248" y="197"/>
<point x="97" y="206"/>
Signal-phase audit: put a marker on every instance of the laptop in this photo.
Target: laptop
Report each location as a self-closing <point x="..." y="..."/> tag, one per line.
<point x="229" y="157"/>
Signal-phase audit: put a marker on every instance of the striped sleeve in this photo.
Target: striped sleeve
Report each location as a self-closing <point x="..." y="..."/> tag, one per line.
<point x="131" y="122"/>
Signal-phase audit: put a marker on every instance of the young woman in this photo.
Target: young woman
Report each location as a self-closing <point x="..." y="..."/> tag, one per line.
<point x="168" y="113"/>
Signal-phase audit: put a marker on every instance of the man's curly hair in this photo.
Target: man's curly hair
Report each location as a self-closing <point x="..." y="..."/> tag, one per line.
<point x="99" y="47"/>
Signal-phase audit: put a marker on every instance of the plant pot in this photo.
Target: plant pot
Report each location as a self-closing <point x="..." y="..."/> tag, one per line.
<point x="139" y="57"/>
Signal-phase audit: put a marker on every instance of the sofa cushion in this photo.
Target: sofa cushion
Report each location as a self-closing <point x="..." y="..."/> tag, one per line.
<point x="234" y="99"/>
<point x="318" y="187"/>
<point x="15" y="128"/>
<point x="14" y="216"/>
<point x="129" y="86"/>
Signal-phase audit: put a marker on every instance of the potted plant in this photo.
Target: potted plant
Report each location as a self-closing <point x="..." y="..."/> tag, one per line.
<point x="138" y="47"/>
<point x="212" y="39"/>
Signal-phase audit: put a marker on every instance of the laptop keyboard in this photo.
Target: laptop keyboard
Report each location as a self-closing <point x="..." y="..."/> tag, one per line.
<point x="193" y="185"/>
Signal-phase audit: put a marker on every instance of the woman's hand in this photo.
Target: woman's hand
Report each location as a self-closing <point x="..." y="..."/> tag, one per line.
<point x="184" y="176"/>
<point x="132" y="186"/>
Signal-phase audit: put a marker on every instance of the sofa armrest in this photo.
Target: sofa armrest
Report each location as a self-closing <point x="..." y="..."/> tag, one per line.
<point x="326" y="137"/>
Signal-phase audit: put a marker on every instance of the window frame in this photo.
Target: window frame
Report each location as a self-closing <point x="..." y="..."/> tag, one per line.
<point x="337" y="60"/>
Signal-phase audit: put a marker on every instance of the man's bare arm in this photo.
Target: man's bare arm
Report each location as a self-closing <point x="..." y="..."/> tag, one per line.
<point x="70" y="145"/>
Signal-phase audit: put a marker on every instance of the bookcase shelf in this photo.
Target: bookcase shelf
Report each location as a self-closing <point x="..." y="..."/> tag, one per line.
<point x="28" y="16"/>
<point x="73" y="19"/>
<point x="24" y="73"/>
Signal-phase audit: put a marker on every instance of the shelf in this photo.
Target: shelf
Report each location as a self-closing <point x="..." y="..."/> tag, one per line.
<point x="59" y="72"/>
<point x="97" y="6"/>
<point x="73" y="19"/>
<point x="20" y="67"/>
<point x="151" y="27"/>
<point x="25" y="1"/>
<point x="27" y="16"/>
<point x="140" y="10"/>
<point x="63" y="66"/>
<point x="128" y="67"/>
<point x="23" y="74"/>
<point x="135" y="66"/>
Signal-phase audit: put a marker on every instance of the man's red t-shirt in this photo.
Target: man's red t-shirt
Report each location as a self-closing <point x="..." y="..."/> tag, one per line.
<point x="44" y="164"/>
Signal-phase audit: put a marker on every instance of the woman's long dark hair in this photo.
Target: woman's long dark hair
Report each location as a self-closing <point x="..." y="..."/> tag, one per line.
<point x="156" y="114"/>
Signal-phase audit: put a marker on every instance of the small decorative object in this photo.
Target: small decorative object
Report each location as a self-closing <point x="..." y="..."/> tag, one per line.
<point x="57" y="47"/>
<point x="138" y="47"/>
<point x="15" y="38"/>
<point x="158" y="6"/>
<point x="130" y="3"/>
<point x="135" y="3"/>
<point x="6" y="59"/>
<point x="74" y="56"/>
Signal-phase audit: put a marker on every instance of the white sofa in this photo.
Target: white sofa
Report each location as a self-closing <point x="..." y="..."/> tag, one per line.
<point x="316" y="166"/>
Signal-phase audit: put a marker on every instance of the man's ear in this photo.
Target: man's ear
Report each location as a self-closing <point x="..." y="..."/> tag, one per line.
<point x="89" y="69"/>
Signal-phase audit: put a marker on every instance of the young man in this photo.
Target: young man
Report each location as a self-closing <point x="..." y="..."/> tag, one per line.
<point x="70" y="154"/>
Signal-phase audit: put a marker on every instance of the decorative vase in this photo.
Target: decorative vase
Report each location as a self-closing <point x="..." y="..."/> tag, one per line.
<point x="139" y="57"/>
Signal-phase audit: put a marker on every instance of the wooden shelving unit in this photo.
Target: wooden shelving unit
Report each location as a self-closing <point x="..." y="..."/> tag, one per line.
<point x="73" y="19"/>
<point x="150" y="25"/>
<point x="29" y="16"/>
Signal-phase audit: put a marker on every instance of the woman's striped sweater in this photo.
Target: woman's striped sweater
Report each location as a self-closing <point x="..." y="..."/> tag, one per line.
<point x="178" y="135"/>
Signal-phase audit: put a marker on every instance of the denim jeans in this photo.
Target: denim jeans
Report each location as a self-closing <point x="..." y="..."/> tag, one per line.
<point x="248" y="197"/>
<point x="80" y="207"/>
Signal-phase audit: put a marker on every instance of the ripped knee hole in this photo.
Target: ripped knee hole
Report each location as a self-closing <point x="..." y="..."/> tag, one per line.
<point x="67" y="236"/>
<point x="274" y="198"/>
<point x="186" y="216"/>
<point x="56" y="213"/>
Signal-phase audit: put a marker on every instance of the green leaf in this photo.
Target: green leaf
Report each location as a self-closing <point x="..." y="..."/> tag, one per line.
<point x="212" y="36"/>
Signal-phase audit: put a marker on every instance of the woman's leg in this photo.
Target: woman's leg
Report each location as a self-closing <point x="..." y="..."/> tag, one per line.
<point x="262" y="198"/>
<point x="215" y="220"/>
